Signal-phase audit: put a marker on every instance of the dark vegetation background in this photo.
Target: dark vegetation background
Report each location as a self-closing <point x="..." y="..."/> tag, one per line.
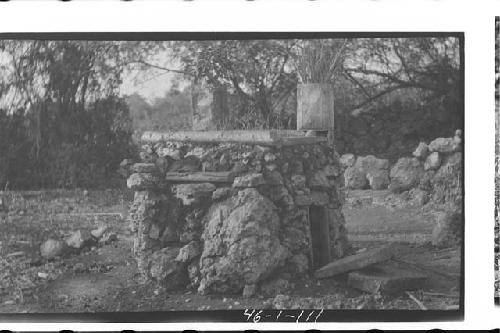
<point x="64" y="122"/>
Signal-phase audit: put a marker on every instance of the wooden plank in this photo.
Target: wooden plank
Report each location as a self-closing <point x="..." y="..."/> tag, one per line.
<point x="200" y="177"/>
<point x="260" y="137"/>
<point x="386" y="278"/>
<point x="355" y="262"/>
<point x="315" y="105"/>
<point x="210" y="136"/>
<point x="290" y="141"/>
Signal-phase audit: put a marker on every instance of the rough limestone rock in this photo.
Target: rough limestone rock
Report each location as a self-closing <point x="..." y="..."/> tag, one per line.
<point x="368" y="170"/>
<point x="126" y="162"/>
<point x="347" y="160"/>
<point x="370" y="162"/>
<point x="221" y="193"/>
<point x="444" y="145"/>
<point x="198" y="152"/>
<point x="142" y="181"/>
<point x="447" y="182"/>
<point x="97" y="233"/>
<point x="241" y="243"/>
<point x="80" y="239"/>
<point x="405" y="174"/>
<point x="355" y="178"/>
<point x="164" y="268"/>
<point x="52" y="248"/>
<point x="421" y="151"/>
<point x="144" y="168"/>
<point x="189" y="252"/>
<point x="274" y="287"/>
<point x="250" y="180"/>
<point x="108" y="237"/>
<point x="378" y="179"/>
<point x="294" y="239"/>
<point x="192" y="194"/>
<point x="194" y="273"/>
<point x="448" y="230"/>
<point x="433" y="161"/>
<point x="322" y="178"/>
<point x="173" y="153"/>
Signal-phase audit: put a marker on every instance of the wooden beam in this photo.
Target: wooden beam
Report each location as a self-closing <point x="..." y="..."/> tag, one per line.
<point x="386" y="278"/>
<point x="260" y="137"/>
<point x="200" y="177"/>
<point x="356" y="261"/>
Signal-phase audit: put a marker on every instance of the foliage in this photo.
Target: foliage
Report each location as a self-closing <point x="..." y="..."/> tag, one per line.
<point x="170" y="112"/>
<point x="52" y="95"/>
<point x="319" y="60"/>
<point x="61" y="113"/>
<point x="256" y="71"/>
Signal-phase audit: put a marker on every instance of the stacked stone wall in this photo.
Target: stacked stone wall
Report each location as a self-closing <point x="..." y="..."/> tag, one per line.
<point x="232" y="236"/>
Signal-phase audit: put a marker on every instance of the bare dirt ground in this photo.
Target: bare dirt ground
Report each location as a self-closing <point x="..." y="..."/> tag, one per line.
<point x="105" y="279"/>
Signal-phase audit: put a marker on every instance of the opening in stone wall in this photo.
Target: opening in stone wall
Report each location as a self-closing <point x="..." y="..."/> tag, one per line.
<point x="320" y="236"/>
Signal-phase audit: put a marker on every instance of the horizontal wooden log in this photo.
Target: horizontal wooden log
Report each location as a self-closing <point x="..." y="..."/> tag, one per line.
<point x="386" y="278"/>
<point x="200" y="177"/>
<point x="261" y="137"/>
<point x="356" y="261"/>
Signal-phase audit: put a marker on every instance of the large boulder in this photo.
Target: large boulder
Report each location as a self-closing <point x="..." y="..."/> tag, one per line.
<point x="165" y="268"/>
<point x="192" y="194"/>
<point x="447" y="183"/>
<point x="368" y="170"/>
<point x="189" y="252"/>
<point x="433" y="161"/>
<point x="355" y="178"/>
<point x="241" y="243"/>
<point x="142" y="181"/>
<point x="421" y="151"/>
<point x="405" y="174"/>
<point x="80" y="239"/>
<point x="444" y="145"/>
<point x="370" y="162"/>
<point x="172" y="153"/>
<point x="347" y="160"/>
<point x="52" y="248"/>
<point x="378" y="179"/>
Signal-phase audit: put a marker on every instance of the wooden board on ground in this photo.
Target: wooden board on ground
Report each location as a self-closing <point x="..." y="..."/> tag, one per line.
<point x="355" y="262"/>
<point x="386" y="278"/>
<point x="200" y="177"/>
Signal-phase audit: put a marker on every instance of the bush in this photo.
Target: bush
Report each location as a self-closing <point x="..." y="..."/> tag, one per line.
<point x="76" y="147"/>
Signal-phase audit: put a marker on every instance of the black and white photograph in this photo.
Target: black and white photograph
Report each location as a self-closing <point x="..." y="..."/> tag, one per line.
<point x="255" y="173"/>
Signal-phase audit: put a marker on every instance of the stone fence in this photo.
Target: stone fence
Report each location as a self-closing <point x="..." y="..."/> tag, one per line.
<point x="235" y="211"/>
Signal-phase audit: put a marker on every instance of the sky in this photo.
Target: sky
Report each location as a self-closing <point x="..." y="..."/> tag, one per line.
<point x="153" y="83"/>
<point x="149" y="88"/>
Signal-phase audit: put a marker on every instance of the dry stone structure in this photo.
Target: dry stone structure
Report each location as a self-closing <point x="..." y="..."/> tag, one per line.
<point x="235" y="211"/>
<point x="434" y="171"/>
